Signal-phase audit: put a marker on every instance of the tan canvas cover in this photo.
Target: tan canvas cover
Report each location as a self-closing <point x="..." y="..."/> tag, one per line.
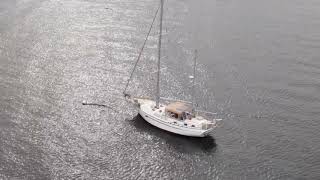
<point x="178" y="108"/>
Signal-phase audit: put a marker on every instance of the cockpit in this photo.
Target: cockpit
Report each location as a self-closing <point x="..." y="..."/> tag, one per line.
<point x="179" y="111"/>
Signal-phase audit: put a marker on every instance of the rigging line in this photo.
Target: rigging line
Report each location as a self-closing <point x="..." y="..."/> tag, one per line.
<point x="140" y="53"/>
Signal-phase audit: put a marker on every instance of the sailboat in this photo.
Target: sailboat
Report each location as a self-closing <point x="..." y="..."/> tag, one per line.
<point x="179" y="117"/>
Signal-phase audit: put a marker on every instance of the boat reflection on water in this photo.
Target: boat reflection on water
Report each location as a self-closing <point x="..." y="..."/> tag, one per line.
<point x="183" y="144"/>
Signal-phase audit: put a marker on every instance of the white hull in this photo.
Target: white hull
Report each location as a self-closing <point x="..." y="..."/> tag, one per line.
<point x="174" y="128"/>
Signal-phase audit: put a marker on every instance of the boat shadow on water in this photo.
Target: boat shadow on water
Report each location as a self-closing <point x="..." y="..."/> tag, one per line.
<point x="180" y="143"/>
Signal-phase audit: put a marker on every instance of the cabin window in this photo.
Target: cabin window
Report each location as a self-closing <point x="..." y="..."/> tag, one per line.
<point x="184" y="116"/>
<point x="185" y="124"/>
<point x="188" y="116"/>
<point x="192" y="126"/>
<point x="173" y="115"/>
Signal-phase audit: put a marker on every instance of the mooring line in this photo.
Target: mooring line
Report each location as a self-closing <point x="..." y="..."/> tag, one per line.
<point x="100" y="105"/>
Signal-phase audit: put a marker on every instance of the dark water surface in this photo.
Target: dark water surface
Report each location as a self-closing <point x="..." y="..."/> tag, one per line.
<point x="259" y="69"/>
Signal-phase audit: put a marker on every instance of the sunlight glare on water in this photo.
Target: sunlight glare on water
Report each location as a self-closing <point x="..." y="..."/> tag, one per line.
<point x="258" y="68"/>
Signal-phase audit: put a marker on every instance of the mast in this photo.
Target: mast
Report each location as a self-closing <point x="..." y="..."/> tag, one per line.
<point x="194" y="81"/>
<point x="159" y="55"/>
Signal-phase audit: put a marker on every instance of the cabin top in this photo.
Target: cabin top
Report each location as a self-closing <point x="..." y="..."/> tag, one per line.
<point x="178" y="108"/>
